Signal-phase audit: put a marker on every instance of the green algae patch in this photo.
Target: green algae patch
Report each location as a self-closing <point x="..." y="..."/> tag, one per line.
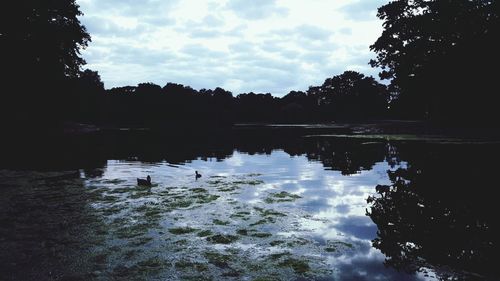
<point x="278" y="256"/>
<point x="269" y="212"/>
<point x="228" y="188"/>
<point x="266" y="279"/>
<point x="240" y="215"/>
<point x="218" y="259"/>
<point x="297" y="242"/>
<point x="299" y="266"/>
<point x="276" y="243"/>
<point x="242" y="232"/>
<point x="204" y="233"/>
<point x="232" y="273"/>
<point x="114" y="181"/>
<point x="180" y="203"/>
<point x="132" y="231"/>
<point x="261" y="234"/>
<point x="198" y="190"/>
<point x="140" y="241"/>
<point x="185" y="264"/>
<point x="151" y="263"/>
<point x="222" y="239"/>
<point x="220" y="222"/>
<point x="248" y="182"/>
<point x="282" y="196"/>
<point x="112" y="210"/>
<point x="332" y="246"/>
<point x="264" y="221"/>
<point x="131" y="254"/>
<point x="206" y="198"/>
<point x="120" y="190"/>
<point x="182" y="230"/>
<point x="215" y="182"/>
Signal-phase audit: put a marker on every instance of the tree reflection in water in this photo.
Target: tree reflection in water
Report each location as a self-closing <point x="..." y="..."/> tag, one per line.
<point x="439" y="215"/>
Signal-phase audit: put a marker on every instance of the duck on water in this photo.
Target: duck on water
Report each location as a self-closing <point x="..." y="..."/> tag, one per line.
<point x="144" y="182"/>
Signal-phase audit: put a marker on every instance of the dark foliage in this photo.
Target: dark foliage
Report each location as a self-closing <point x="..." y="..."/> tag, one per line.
<point x="40" y="43"/>
<point x="440" y="55"/>
<point x="431" y="218"/>
<point x="350" y="96"/>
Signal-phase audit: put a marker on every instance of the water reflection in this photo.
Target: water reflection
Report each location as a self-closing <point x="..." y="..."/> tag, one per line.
<point x="438" y="215"/>
<point x="284" y="209"/>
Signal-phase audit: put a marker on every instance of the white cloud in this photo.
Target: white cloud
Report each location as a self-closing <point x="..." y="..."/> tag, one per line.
<point x="245" y="46"/>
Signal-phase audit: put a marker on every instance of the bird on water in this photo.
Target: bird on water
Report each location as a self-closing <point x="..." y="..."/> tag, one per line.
<point x="144" y="182"/>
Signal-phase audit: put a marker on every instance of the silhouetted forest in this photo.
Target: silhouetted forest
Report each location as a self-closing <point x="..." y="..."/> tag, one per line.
<point x="438" y="56"/>
<point x="429" y="217"/>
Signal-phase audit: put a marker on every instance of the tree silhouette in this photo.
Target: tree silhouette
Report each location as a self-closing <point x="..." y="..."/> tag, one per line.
<point x="431" y="218"/>
<point x="351" y="96"/>
<point x="439" y="55"/>
<point x="40" y="45"/>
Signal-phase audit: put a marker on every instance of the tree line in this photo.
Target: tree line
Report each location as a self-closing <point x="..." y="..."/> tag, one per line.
<point x="437" y="56"/>
<point x="349" y="96"/>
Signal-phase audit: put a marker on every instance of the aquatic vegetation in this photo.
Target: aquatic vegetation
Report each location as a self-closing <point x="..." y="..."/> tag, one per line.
<point x="218" y="259"/>
<point x="263" y="221"/>
<point x="277" y="256"/>
<point x="243" y="232"/>
<point x="203" y="199"/>
<point x="182" y="230"/>
<point x="183" y="203"/>
<point x="269" y="212"/>
<point x="282" y="196"/>
<point x="114" y="181"/>
<point x="204" y="233"/>
<point x="228" y="188"/>
<point x="248" y="182"/>
<point x="186" y="264"/>
<point x="333" y="246"/>
<point x="266" y="279"/>
<point x="132" y="231"/>
<point x="222" y="239"/>
<point x="276" y="242"/>
<point x="297" y="242"/>
<point x="198" y="190"/>
<point x="151" y="262"/>
<point x="215" y="182"/>
<point x="140" y="241"/>
<point x="299" y="266"/>
<point x="220" y="222"/>
<point x="261" y="234"/>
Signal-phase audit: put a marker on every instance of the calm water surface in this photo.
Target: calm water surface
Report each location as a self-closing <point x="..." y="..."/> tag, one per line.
<point x="309" y="210"/>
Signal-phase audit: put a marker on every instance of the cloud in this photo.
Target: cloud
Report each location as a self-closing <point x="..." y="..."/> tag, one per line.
<point x="200" y="51"/>
<point x="362" y="10"/>
<point x="256" y="9"/>
<point x="313" y="32"/>
<point x="101" y="26"/>
<point x="248" y="46"/>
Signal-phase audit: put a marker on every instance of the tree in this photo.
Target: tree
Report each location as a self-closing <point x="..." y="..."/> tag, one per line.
<point x="352" y="95"/>
<point x="40" y="49"/>
<point x="438" y="55"/>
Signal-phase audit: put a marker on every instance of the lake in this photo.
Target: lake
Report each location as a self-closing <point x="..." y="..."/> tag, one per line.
<point x="267" y="207"/>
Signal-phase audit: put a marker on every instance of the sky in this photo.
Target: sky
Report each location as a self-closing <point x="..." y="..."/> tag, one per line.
<point x="261" y="46"/>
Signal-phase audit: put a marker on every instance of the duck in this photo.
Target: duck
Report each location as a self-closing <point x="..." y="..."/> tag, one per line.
<point x="144" y="182"/>
<point x="197" y="175"/>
